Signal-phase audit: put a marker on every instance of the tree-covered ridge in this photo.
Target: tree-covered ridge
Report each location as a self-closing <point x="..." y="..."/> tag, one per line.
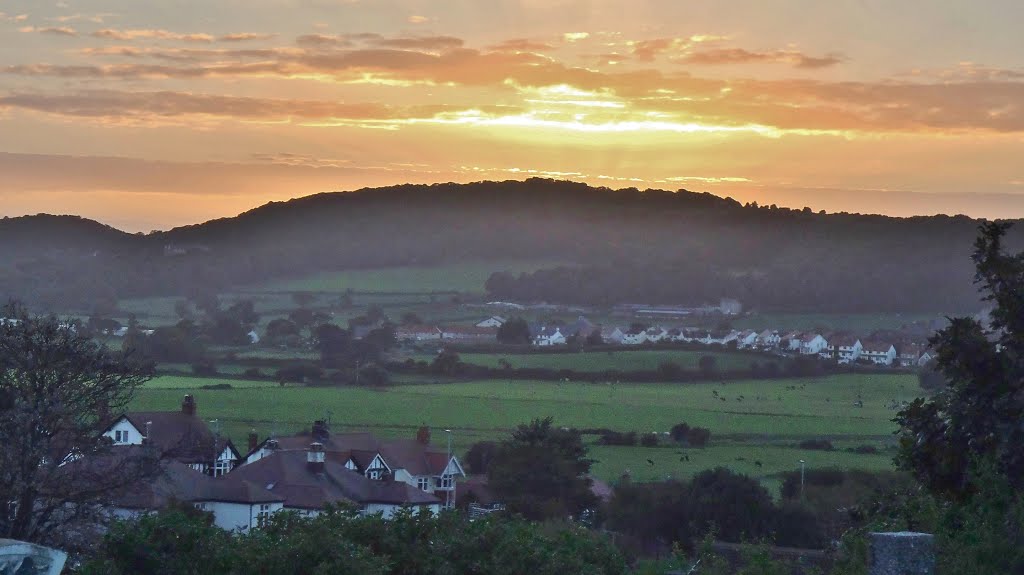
<point x="628" y="245"/>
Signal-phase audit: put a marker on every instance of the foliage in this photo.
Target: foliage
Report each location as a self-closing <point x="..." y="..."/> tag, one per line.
<point x="58" y="390"/>
<point x="708" y="365"/>
<point x="478" y="458"/>
<point x="340" y="541"/>
<point x="977" y="416"/>
<point x="541" y="472"/>
<point x="514" y="331"/>
<point x="816" y="445"/>
<point x="649" y="440"/>
<point x="930" y="379"/>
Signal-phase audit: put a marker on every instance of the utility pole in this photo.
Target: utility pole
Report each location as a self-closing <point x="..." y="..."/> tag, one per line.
<point x="448" y="462"/>
<point x="801" y="481"/>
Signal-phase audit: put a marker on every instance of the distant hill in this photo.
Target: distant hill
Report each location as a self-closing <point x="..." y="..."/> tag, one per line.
<point x="650" y="246"/>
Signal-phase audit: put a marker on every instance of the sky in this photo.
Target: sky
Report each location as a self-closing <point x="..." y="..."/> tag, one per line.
<point x="152" y="114"/>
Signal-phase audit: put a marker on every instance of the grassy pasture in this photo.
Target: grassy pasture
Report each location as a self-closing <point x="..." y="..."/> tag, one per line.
<point x="763" y="425"/>
<point x="621" y="360"/>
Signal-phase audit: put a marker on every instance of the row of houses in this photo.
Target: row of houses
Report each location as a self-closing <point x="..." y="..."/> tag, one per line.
<point x="302" y="473"/>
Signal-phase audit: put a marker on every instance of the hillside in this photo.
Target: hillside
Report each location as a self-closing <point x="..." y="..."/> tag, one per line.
<point x="651" y="246"/>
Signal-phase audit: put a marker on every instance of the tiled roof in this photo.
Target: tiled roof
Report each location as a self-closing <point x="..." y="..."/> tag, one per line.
<point x="178" y="435"/>
<point x="288" y="475"/>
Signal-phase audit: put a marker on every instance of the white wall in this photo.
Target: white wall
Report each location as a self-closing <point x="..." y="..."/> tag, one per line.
<point x="134" y="435"/>
<point x="238" y="516"/>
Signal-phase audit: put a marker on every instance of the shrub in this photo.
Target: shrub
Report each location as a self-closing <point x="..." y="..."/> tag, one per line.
<point x="204" y="367"/>
<point x="864" y="449"/>
<point x="679" y="431"/>
<point x="216" y="386"/>
<point x="253" y="373"/>
<point x="617" y="438"/>
<point x="649" y="440"/>
<point x="698" y="436"/>
<point x="816" y="445"/>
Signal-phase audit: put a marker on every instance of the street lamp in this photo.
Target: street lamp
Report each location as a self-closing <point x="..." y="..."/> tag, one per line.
<point x="447" y="463"/>
<point x="801" y="480"/>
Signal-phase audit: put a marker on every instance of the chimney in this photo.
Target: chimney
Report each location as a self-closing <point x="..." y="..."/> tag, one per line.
<point x="320" y="432"/>
<point x="423" y="435"/>
<point x="315" y="457"/>
<point x="188" y="405"/>
<point x="254" y="440"/>
<point x="272" y="445"/>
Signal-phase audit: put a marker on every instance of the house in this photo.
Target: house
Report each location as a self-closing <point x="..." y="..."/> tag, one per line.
<point x="909" y="354"/>
<point x="254" y="337"/>
<point x="495" y="321"/>
<point x="547" y="336"/>
<point x="178" y="435"/>
<point x="612" y="335"/>
<point x="580" y="328"/>
<point x="878" y="353"/>
<point x="844" y="348"/>
<point x="656" y="334"/>
<point x="306" y="481"/>
<point x="768" y="339"/>
<point x="415" y="461"/>
<point x="746" y="339"/>
<point x="719" y="337"/>
<point x="791" y="341"/>
<point x="469" y="334"/>
<point x="634" y="337"/>
<point x="926" y="357"/>
<point x="812" y="344"/>
<point x="417" y="333"/>
<point x="236" y="504"/>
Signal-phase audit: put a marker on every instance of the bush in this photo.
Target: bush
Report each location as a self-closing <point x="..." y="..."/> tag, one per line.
<point x="698" y="436"/>
<point x="216" y="386"/>
<point x="816" y="445"/>
<point x="649" y="440"/>
<point x="864" y="449"/>
<point x="679" y="432"/>
<point x="617" y="438"/>
<point x="253" y="373"/>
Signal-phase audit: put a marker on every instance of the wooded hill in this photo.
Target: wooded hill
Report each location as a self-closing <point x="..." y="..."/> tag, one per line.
<point x="625" y="246"/>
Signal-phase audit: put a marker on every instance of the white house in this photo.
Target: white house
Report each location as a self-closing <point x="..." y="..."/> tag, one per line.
<point x="634" y="337"/>
<point x="729" y="306"/>
<point x="926" y="356"/>
<point x="812" y="344"/>
<point x="791" y="341"/>
<point x="879" y="353"/>
<point x="746" y="339"/>
<point x="493" y="321"/>
<point x="417" y="333"/>
<point x="768" y="339"/>
<point x="254" y="337"/>
<point x="613" y="335"/>
<point x="844" y="348"/>
<point x="656" y="334"/>
<point x="548" y="336"/>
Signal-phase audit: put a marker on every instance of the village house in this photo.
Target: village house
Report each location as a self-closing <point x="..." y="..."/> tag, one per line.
<point x="414" y="462"/>
<point x="417" y="333"/>
<point x="746" y="339"/>
<point x="634" y="337"/>
<point x="909" y="354"/>
<point x="878" y="353"/>
<point x="495" y="321"/>
<point x="926" y="357"/>
<point x="612" y="335"/>
<point x="656" y="334"/>
<point x="812" y="344"/>
<point x="178" y="435"/>
<point x="768" y="339"/>
<point x="729" y="306"/>
<point x="469" y="334"/>
<point x="844" y="348"/>
<point x="548" y="335"/>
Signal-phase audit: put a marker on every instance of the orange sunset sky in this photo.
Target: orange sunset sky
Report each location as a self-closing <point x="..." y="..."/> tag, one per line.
<point x="151" y="114"/>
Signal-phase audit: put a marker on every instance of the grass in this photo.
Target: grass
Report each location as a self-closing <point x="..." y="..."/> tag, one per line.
<point x="605" y="360"/>
<point x="764" y="428"/>
<point x="462" y="277"/>
<point x="860" y="323"/>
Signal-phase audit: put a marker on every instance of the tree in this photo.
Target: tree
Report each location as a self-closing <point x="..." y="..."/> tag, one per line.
<point x="595" y="338"/>
<point x="411" y="318"/>
<point x="514" y="331"/>
<point x="281" y="331"/>
<point x="478" y="458"/>
<point x="929" y="378"/>
<point x="446" y="363"/>
<point x="669" y="370"/>
<point x="977" y="416"/>
<point x="333" y="343"/>
<point x="679" y="432"/>
<point x="58" y="389"/>
<point x="542" y="472"/>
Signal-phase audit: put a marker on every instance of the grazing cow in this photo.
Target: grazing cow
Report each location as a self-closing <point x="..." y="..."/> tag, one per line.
<point x="649" y="462"/>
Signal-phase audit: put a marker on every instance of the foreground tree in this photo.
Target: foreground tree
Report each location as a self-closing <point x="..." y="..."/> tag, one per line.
<point x="58" y="389"/>
<point x="542" y="472"/>
<point x="977" y="416"/>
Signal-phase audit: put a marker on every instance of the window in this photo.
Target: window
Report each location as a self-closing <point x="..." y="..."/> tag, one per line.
<point x="120" y="436"/>
<point x="445" y="482"/>
<point x="200" y="506"/>
<point x="263" y="515"/>
<point x="221" y="467"/>
<point x="373" y="474"/>
<point x="423" y="483"/>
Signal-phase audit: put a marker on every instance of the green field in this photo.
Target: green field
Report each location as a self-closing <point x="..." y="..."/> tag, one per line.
<point x="861" y="323"/>
<point x="465" y="277"/>
<point x="631" y="360"/>
<point x="759" y="420"/>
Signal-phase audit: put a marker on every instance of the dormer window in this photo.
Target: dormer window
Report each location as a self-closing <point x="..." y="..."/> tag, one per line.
<point x="120" y="436"/>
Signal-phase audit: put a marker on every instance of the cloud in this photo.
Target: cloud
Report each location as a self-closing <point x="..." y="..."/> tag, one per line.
<point x="521" y="45"/>
<point x="244" y="37"/>
<point x="725" y="56"/>
<point x="417" y="19"/>
<point x="420" y="42"/>
<point x="149" y="33"/>
<point x="51" y="30"/>
<point x="13" y="17"/>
